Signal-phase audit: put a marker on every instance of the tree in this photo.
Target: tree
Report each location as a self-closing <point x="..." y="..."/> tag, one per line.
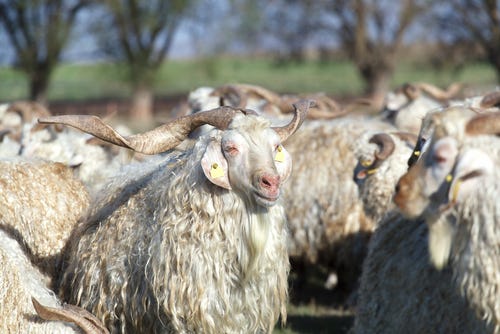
<point x="38" y="31"/>
<point x="475" y="21"/>
<point x="372" y="32"/>
<point x="140" y="33"/>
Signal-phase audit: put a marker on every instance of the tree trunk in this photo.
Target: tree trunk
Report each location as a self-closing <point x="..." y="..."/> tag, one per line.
<point x="377" y="82"/>
<point x="142" y="104"/>
<point x="496" y="66"/>
<point x="39" y="84"/>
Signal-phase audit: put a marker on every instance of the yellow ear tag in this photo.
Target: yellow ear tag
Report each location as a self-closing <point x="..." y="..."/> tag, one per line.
<point x="216" y="171"/>
<point x="454" y="193"/>
<point x="280" y="156"/>
<point x="366" y="163"/>
<point x="416" y="153"/>
<point x="371" y="171"/>
<point x="449" y="177"/>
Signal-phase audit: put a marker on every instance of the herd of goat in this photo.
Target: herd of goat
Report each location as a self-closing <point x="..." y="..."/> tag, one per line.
<point x="192" y="227"/>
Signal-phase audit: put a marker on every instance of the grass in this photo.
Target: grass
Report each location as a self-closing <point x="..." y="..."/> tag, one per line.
<point x="104" y="80"/>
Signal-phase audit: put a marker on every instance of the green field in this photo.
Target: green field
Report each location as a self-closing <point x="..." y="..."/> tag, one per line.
<point x="338" y="78"/>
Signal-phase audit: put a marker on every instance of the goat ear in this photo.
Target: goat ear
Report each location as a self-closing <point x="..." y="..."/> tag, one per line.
<point x="472" y="166"/>
<point x="283" y="162"/>
<point x="214" y="165"/>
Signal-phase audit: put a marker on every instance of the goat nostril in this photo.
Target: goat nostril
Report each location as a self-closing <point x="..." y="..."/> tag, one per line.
<point x="268" y="181"/>
<point x="397" y="188"/>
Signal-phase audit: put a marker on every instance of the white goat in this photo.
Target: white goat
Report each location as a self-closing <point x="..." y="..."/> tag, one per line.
<point x="196" y="243"/>
<point x="406" y="106"/>
<point x="455" y="186"/>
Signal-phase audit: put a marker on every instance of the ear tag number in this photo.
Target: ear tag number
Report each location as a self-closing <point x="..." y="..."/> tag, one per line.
<point x="280" y="156"/>
<point x="216" y="171"/>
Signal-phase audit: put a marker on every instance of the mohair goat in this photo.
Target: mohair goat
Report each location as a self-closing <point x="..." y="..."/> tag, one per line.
<point x="327" y="222"/>
<point x="41" y="204"/>
<point x="406" y="106"/>
<point x="93" y="161"/>
<point x="381" y="162"/>
<point x="194" y="243"/>
<point x="455" y="188"/>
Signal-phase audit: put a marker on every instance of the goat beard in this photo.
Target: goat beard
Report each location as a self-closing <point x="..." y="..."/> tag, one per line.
<point x="441" y="232"/>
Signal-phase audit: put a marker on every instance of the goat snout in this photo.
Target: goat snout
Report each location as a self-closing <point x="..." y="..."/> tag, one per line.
<point x="269" y="183"/>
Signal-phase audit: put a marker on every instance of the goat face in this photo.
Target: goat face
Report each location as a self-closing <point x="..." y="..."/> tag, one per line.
<point x="250" y="160"/>
<point x="423" y="180"/>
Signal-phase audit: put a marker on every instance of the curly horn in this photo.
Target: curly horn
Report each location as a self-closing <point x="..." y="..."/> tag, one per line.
<point x="407" y="137"/>
<point x="70" y="313"/>
<point x="385" y="144"/>
<point x="27" y="110"/>
<point x="438" y="93"/>
<point x="301" y="110"/>
<point x="266" y="94"/>
<point x="233" y="93"/>
<point x="411" y="91"/>
<point x="484" y="124"/>
<point x="490" y="100"/>
<point x="158" y="140"/>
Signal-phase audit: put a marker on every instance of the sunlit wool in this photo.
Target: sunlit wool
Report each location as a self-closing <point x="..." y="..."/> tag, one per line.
<point x="400" y="290"/>
<point x="327" y="223"/>
<point x="377" y="188"/>
<point x="19" y="281"/>
<point x="41" y="203"/>
<point x="475" y="253"/>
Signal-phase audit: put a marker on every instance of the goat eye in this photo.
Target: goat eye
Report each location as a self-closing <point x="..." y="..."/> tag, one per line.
<point x="439" y="158"/>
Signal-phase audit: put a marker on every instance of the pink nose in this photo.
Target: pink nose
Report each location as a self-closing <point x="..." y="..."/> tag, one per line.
<point x="270" y="182"/>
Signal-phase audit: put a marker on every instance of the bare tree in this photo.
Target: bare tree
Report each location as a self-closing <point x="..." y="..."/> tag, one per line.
<point x="140" y="34"/>
<point x="372" y="32"/>
<point x="369" y="32"/>
<point x="38" y="31"/>
<point x="475" y="21"/>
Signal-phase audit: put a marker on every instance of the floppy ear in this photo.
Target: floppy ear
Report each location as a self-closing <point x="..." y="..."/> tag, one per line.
<point x="214" y="165"/>
<point x="472" y="165"/>
<point x="283" y="162"/>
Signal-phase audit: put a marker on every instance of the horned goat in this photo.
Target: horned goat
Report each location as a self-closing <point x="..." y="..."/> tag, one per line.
<point x="41" y="204"/>
<point x="263" y="101"/>
<point x="406" y="106"/>
<point x="93" y="161"/>
<point x="454" y="186"/>
<point x="325" y="213"/>
<point x="381" y="162"/>
<point x="400" y="289"/>
<point x="196" y="243"/>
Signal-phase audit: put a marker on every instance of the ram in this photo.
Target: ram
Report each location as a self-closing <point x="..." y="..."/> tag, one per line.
<point x="195" y="243"/>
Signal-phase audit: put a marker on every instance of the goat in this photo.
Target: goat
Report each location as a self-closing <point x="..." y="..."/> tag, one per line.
<point x="195" y="243"/>
<point x="454" y="187"/>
